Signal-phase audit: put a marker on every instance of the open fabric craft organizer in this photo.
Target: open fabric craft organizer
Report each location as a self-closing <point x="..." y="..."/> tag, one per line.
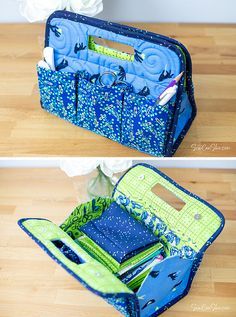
<point x="128" y="114"/>
<point x="185" y="235"/>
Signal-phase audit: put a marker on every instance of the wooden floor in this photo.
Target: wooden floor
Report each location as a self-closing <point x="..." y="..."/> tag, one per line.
<point x="26" y="130"/>
<point x="32" y="285"/>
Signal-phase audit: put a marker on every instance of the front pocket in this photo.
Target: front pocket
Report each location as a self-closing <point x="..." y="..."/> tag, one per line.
<point x="173" y="275"/>
<point x="145" y="124"/>
<point x="99" y="108"/>
<point x="58" y="93"/>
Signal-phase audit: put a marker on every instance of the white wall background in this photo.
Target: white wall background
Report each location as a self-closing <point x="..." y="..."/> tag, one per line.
<point x="159" y="163"/>
<point x="199" y="11"/>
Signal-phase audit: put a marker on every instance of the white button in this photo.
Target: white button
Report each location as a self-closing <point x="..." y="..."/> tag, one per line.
<point x="141" y="177"/>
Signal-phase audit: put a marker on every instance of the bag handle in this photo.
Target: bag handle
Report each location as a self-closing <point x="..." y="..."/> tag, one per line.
<point x="68" y="252"/>
<point x="118" y="49"/>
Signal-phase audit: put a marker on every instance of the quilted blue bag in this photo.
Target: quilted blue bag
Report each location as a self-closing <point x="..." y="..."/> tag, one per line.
<point x="134" y="218"/>
<point x="116" y="94"/>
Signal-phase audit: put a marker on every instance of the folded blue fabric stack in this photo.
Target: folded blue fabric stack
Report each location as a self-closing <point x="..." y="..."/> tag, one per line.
<point x="125" y="238"/>
<point x="119" y="234"/>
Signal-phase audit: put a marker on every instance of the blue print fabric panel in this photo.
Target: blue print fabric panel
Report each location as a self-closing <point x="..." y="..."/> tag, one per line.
<point x="58" y="93"/>
<point x="119" y="234"/>
<point x="126" y="306"/>
<point x="100" y="108"/>
<point x="145" y="123"/>
<point x="166" y="281"/>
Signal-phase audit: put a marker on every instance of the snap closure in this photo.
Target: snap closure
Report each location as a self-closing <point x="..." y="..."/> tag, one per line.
<point x="98" y="274"/>
<point x="141" y="177"/>
<point x="197" y="216"/>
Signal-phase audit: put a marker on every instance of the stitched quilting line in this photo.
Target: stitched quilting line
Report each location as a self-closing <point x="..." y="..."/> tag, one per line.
<point x="156" y="46"/>
<point x="105" y="68"/>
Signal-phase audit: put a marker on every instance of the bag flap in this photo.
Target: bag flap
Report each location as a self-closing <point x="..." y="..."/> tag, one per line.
<point x="173" y="274"/>
<point x="77" y="262"/>
<point x="194" y="227"/>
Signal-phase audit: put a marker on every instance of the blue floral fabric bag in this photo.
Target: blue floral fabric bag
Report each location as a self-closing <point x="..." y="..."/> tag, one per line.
<point x="130" y="97"/>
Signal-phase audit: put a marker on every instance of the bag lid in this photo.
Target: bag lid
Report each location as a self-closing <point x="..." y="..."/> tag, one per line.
<point x="197" y="224"/>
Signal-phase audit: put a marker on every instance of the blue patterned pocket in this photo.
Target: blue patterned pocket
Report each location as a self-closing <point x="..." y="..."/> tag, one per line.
<point x="58" y="93"/>
<point x="144" y="124"/>
<point x="99" y="108"/>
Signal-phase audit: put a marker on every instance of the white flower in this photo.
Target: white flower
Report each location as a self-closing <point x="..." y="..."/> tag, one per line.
<point x="113" y="166"/>
<point x="39" y="10"/>
<point x="80" y="166"/>
<point x="74" y="166"/>
<point x="86" y="7"/>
